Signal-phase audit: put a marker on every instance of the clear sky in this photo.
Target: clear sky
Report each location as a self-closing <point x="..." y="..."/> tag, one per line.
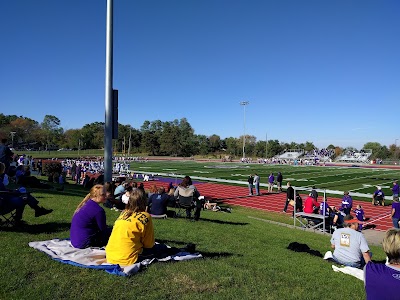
<point x="319" y="71"/>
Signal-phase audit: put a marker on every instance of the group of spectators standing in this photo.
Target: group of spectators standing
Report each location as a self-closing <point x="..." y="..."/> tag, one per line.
<point x="254" y="182"/>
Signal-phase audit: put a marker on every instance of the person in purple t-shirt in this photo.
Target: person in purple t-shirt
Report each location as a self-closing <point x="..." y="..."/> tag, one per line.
<point x="395" y="214"/>
<point x="347" y="203"/>
<point x="382" y="281"/>
<point x="395" y="189"/>
<point x="271" y="180"/>
<point x="88" y="225"/>
<point x="378" y="197"/>
<point x="360" y="215"/>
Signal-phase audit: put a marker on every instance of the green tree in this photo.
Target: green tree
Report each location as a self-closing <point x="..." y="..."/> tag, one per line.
<point x="260" y="149"/>
<point x="215" y="143"/>
<point x="309" y="146"/>
<point x="202" y="144"/>
<point x="52" y="131"/>
<point x="92" y="136"/>
<point x="232" y="147"/>
<point x="274" y="148"/>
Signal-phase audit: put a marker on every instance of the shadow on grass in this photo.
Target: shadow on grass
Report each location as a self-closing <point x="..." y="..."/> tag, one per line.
<point x="204" y="253"/>
<point x="217" y="254"/>
<point x="212" y="221"/>
<point x="223" y="222"/>
<point x="50" y="227"/>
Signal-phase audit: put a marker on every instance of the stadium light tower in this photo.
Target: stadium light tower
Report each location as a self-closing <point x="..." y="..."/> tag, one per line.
<point x="12" y="138"/>
<point x="244" y="104"/>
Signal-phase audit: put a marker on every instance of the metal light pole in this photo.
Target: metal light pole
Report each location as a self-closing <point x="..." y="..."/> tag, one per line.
<point x="108" y="130"/>
<point x="12" y="138"/>
<point x="395" y="142"/>
<point x="244" y="104"/>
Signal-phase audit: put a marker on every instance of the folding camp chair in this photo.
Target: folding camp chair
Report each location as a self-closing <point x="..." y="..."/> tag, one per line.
<point x="185" y="205"/>
<point x="7" y="213"/>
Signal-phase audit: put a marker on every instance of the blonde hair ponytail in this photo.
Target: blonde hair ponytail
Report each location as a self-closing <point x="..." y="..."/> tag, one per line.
<point x="95" y="191"/>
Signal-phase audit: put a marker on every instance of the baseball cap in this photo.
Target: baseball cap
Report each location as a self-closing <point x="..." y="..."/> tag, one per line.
<point x="350" y="219"/>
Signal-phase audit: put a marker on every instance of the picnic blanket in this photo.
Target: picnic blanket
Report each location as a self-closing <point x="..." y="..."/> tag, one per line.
<point x="95" y="258"/>
<point x="357" y="273"/>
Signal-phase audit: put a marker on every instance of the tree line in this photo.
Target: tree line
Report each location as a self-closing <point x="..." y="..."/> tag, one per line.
<point x="165" y="138"/>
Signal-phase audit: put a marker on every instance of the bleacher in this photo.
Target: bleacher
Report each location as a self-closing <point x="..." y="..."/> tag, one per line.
<point x="356" y="157"/>
<point x="291" y="154"/>
<point x="321" y="155"/>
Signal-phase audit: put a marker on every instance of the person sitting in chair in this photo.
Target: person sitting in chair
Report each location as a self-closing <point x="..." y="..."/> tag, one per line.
<point x="17" y="200"/>
<point x="187" y="189"/>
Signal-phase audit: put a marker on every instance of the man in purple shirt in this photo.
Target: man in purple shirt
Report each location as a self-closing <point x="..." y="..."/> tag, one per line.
<point x="378" y="197"/>
<point x="395" y="214"/>
<point x="395" y="189"/>
<point x="347" y="203"/>
<point x="271" y="179"/>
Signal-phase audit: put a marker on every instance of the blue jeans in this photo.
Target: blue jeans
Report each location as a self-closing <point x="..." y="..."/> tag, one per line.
<point x="250" y="189"/>
<point x="18" y="202"/>
<point x="257" y="189"/>
<point x="395" y="222"/>
<point x="358" y="265"/>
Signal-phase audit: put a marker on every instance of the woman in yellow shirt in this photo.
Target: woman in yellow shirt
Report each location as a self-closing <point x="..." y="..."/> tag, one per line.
<point x="132" y="233"/>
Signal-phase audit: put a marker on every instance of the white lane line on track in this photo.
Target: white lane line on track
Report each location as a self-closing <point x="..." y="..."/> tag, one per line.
<point x="374" y="220"/>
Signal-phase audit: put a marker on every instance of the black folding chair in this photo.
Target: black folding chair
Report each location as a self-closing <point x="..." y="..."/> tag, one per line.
<point x="185" y="205"/>
<point x="7" y="212"/>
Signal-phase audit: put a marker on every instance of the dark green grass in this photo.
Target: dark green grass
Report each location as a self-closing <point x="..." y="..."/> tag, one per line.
<point x="244" y="258"/>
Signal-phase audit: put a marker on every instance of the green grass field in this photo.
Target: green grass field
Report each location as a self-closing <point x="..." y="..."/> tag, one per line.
<point x="245" y="257"/>
<point x="340" y="179"/>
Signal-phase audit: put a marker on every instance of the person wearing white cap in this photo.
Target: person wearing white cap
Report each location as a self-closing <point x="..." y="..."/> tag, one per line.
<point x="378" y="197"/>
<point x="351" y="247"/>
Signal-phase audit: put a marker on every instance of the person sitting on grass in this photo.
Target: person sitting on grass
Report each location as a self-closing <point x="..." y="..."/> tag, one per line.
<point x="128" y="192"/>
<point x="382" y="280"/>
<point x="17" y="200"/>
<point x="88" y="225"/>
<point x="24" y="178"/>
<point x="158" y="202"/>
<point x="360" y="215"/>
<point x="351" y="247"/>
<point x="132" y="237"/>
<point x="153" y="190"/>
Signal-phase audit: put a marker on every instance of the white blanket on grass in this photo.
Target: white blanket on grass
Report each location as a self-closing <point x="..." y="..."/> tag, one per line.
<point x="357" y="273"/>
<point x="95" y="258"/>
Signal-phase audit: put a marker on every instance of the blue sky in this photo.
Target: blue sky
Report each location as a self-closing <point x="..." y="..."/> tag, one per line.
<point x="319" y="71"/>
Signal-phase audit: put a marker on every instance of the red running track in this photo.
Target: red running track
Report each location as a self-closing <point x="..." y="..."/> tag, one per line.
<point x="275" y="202"/>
